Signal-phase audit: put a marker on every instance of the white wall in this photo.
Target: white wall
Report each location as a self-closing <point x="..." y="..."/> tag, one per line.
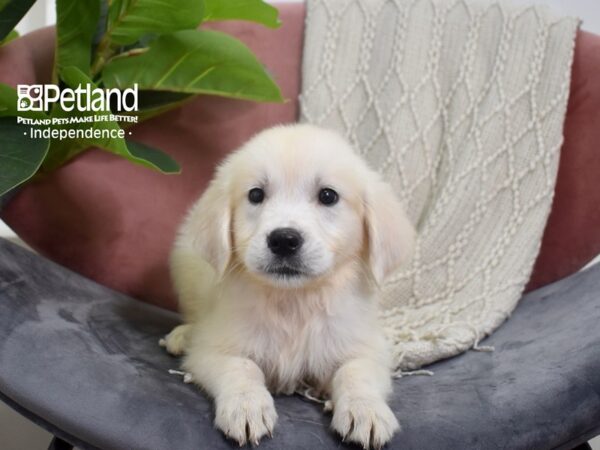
<point x="43" y="13"/>
<point x="16" y="432"/>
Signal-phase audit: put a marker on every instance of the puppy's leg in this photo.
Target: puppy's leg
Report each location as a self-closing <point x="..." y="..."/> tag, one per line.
<point x="193" y="279"/>
<point x="176" y="341"/>
<point x="244" y="407"/>
<point x="360" y="412"/>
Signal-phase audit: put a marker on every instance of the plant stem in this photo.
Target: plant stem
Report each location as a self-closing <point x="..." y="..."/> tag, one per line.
<point x="102" y="53"/>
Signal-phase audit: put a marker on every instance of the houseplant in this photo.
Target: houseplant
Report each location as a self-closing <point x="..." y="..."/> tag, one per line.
<point x="116" y="45"/>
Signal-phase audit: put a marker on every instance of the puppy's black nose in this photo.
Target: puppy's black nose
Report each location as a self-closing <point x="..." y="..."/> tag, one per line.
<point x="284" y="241"/>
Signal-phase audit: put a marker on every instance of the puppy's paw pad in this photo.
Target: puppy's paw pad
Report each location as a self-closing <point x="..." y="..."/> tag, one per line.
<point x="247" y="416"/>
<point x="368" y="422"/>
<point x="175" y="341"/>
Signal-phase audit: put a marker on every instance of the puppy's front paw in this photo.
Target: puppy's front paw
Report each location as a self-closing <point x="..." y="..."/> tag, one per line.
<point x="247" y="416"/>
<point x="175" y="341"/>
<point x="367" y="421"/>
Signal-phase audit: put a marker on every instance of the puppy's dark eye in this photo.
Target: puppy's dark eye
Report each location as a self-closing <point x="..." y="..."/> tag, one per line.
<point x="256" y="195"/>
<point x="328" y="197"/>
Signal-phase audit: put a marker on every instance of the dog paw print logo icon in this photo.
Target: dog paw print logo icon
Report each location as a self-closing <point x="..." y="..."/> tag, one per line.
<point x="29" y="97"/>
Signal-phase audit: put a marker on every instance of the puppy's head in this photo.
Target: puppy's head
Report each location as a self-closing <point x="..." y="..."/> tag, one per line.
<point x="294" y="205"/>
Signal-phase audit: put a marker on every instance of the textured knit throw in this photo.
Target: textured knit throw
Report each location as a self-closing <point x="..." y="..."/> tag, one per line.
<point x="460" y="105"/>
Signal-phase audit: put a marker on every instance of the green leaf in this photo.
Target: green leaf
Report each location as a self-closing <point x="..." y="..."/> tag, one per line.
<point x="129" y="20"/>
<point x="20" y="155"/>
<point x="62" y="151"/>
<point x="149" y="100"/>
<point x="160" y="159"/>
<point x="11" y="13"/>
<point x="154" y="103"/>
<point x="10" y="37"/>
<point x="195" y="62"/>
<point x="76" y="22"/>
<point x="250" y="10"/>
<point x="8" y="104"/>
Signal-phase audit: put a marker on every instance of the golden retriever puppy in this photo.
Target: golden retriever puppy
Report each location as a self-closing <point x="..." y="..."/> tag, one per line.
<point x="276" y="268"/>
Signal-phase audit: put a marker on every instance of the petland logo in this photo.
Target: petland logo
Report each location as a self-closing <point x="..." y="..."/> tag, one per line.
<point x="41" y="97"/>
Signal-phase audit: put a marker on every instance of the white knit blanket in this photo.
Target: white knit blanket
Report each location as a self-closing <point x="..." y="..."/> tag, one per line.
<point x="460" y="104"/>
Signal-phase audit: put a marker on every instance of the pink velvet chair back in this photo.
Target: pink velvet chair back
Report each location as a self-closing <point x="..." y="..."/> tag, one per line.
<point x="115" y="222"/>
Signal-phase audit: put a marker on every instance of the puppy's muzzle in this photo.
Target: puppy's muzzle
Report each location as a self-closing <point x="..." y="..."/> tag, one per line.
<point x="284" y="242"/>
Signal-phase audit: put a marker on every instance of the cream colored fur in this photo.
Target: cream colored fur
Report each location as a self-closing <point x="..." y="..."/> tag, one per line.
<point x="247" y="333"/>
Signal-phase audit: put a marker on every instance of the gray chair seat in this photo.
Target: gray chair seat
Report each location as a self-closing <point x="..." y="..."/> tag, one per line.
<point x="83" y="362"/>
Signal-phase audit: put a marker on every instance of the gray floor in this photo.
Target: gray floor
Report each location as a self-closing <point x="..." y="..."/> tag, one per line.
<point x="18" y="433"/>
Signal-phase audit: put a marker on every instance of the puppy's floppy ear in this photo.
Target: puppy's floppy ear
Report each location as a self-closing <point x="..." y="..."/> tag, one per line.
<point x="208" y="225"/>
<point x="391" y="236"/>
